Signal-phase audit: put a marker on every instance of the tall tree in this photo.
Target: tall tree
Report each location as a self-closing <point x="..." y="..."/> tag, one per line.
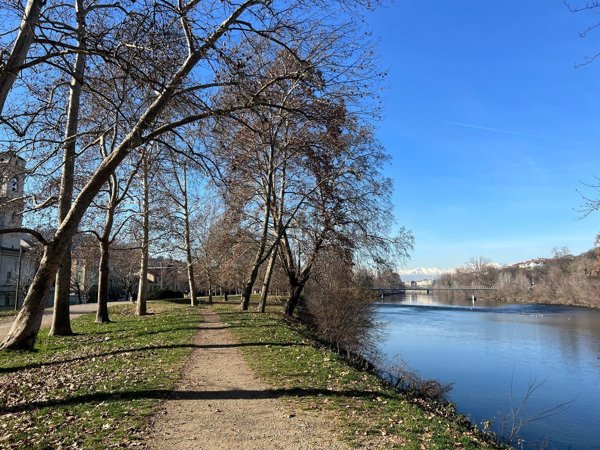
<point x="61" y="321"/>
<point x="117" y="193"/>
<point x="349" y="207"/>
<point x="180" y="195"/>
<point x="148" y="164"/>
<point x="168" y="51"/>
<point x="256" y="154"/>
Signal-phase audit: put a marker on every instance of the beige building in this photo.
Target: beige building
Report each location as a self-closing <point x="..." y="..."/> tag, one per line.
<point x="12" y="168"/>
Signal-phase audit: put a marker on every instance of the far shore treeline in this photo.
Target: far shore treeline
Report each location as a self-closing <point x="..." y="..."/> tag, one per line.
<point x="562" y="279"/>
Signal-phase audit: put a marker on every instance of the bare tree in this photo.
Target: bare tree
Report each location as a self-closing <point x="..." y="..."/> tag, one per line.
<point x="348" y="207"/>
<point x="254" y="155"/>
<point x="61" y="322"/>
<point x="213" y="243"/>
<point x="148" y="164"/>
<point x="117" y="193"/>
<point x="179" y="193"/>
<point x="192" y="38"/>
<point x="122" y="276"/>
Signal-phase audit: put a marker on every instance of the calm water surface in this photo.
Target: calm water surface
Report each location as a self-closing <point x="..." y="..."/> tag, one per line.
<point x="492" y="353"/>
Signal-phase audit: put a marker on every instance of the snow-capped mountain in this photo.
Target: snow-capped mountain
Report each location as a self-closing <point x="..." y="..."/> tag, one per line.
<point x="422" y="273"/>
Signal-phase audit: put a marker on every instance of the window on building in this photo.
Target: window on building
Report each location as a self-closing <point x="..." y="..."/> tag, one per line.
<point x="8" y="276"/>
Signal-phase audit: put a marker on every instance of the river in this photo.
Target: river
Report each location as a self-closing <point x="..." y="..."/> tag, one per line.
<point x="493" y="353"/>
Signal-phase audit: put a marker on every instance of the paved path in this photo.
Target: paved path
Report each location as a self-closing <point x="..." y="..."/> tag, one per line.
<point x="76" y="311"/>
<point x="221" y="404"/>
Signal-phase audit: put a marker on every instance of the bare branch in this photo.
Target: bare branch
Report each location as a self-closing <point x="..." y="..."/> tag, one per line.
<point x="36" y="234"/>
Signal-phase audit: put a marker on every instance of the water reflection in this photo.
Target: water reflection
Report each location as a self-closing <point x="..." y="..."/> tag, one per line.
<point x="493" y="352"/>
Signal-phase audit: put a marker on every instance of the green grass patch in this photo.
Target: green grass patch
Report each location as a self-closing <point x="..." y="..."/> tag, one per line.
<point x="94" y="390"/>
<point x="371" y="414"/>
<point x="235" y="299"/>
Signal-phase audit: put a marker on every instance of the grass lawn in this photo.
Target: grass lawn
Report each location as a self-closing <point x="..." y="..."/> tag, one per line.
<point x="369" y="413"/>
<point x="95" y="389"/>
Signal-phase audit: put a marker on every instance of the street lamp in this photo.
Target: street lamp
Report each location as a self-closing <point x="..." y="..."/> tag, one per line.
<point x="23" y="245"/>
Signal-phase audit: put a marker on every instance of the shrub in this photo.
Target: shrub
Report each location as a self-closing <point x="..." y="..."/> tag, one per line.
<point x="339" y="309"/>
<point x="403" y="378"/>
<point x="165" y="294"/>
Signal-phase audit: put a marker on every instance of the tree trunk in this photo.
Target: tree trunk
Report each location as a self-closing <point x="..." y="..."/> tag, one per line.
<point x="188" y="242"/>
<point x="225" y="296"/>
<point x="17" y="57"/>
<point x="27" y="324"/>
<point x="210" y="292"/>
<point x="247" y="291"/>
<point x="103" y="274"/>
<point x="141" y="297"/>
<point x="267" y="281"/>
<point x="104" y="243"/>
<point x="260" y="256"/>
<point x="61" y="320"/>
<point x="293" y="299"/>
<point x="192" y="285"/>
<point x="140" y="309"/>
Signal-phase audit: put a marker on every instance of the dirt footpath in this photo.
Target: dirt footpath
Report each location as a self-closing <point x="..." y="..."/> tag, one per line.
<point x="223" y="405"/>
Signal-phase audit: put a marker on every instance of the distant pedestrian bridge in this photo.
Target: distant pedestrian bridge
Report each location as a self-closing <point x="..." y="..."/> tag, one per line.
<point x="393" y="290"/>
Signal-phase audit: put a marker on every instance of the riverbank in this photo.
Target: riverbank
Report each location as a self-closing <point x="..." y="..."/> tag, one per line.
<point x="465" y="297"/>
<point x="102" y="387"/>
<point x="371" y="414"/>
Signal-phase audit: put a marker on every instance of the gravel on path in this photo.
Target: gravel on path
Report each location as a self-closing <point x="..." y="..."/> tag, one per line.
<point x="221" y="404"/>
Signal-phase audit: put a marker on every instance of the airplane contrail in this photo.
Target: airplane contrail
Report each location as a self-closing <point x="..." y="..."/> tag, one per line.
<point x="497" y="130"/>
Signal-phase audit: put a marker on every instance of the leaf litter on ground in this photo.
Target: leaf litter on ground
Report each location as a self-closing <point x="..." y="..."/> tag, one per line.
<point x="95" y="389"/>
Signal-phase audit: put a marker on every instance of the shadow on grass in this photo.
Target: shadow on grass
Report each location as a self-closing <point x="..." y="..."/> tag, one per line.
<point x="143" y="349"/>
<point x="237" y="325"/>
<point x="233" y="394"/>
<point x="241" y="313"/>
<point x="169" y="330"/>
<point x="220" y="327"/>
<point x="126" y="324"/>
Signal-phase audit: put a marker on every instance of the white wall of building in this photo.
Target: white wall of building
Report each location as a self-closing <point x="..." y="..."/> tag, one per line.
<point x="11" y="215"/>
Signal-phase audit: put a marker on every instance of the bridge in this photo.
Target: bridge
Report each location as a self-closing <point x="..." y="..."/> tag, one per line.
<point x="392" y="290"/>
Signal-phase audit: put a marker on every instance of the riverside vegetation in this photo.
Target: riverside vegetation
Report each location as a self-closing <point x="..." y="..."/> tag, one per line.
<point x="563" y="279"/>
<point x="106" y="382"/>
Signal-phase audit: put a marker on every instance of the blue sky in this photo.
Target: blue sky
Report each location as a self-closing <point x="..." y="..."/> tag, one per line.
<point x="491" y="127"/>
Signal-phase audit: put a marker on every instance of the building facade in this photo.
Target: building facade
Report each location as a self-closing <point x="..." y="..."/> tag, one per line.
<point x="12" y="168"/>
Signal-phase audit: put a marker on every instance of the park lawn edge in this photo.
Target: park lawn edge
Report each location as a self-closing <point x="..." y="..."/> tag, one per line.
<point x="368" y="412"/>
<point x="100" y="388"/>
